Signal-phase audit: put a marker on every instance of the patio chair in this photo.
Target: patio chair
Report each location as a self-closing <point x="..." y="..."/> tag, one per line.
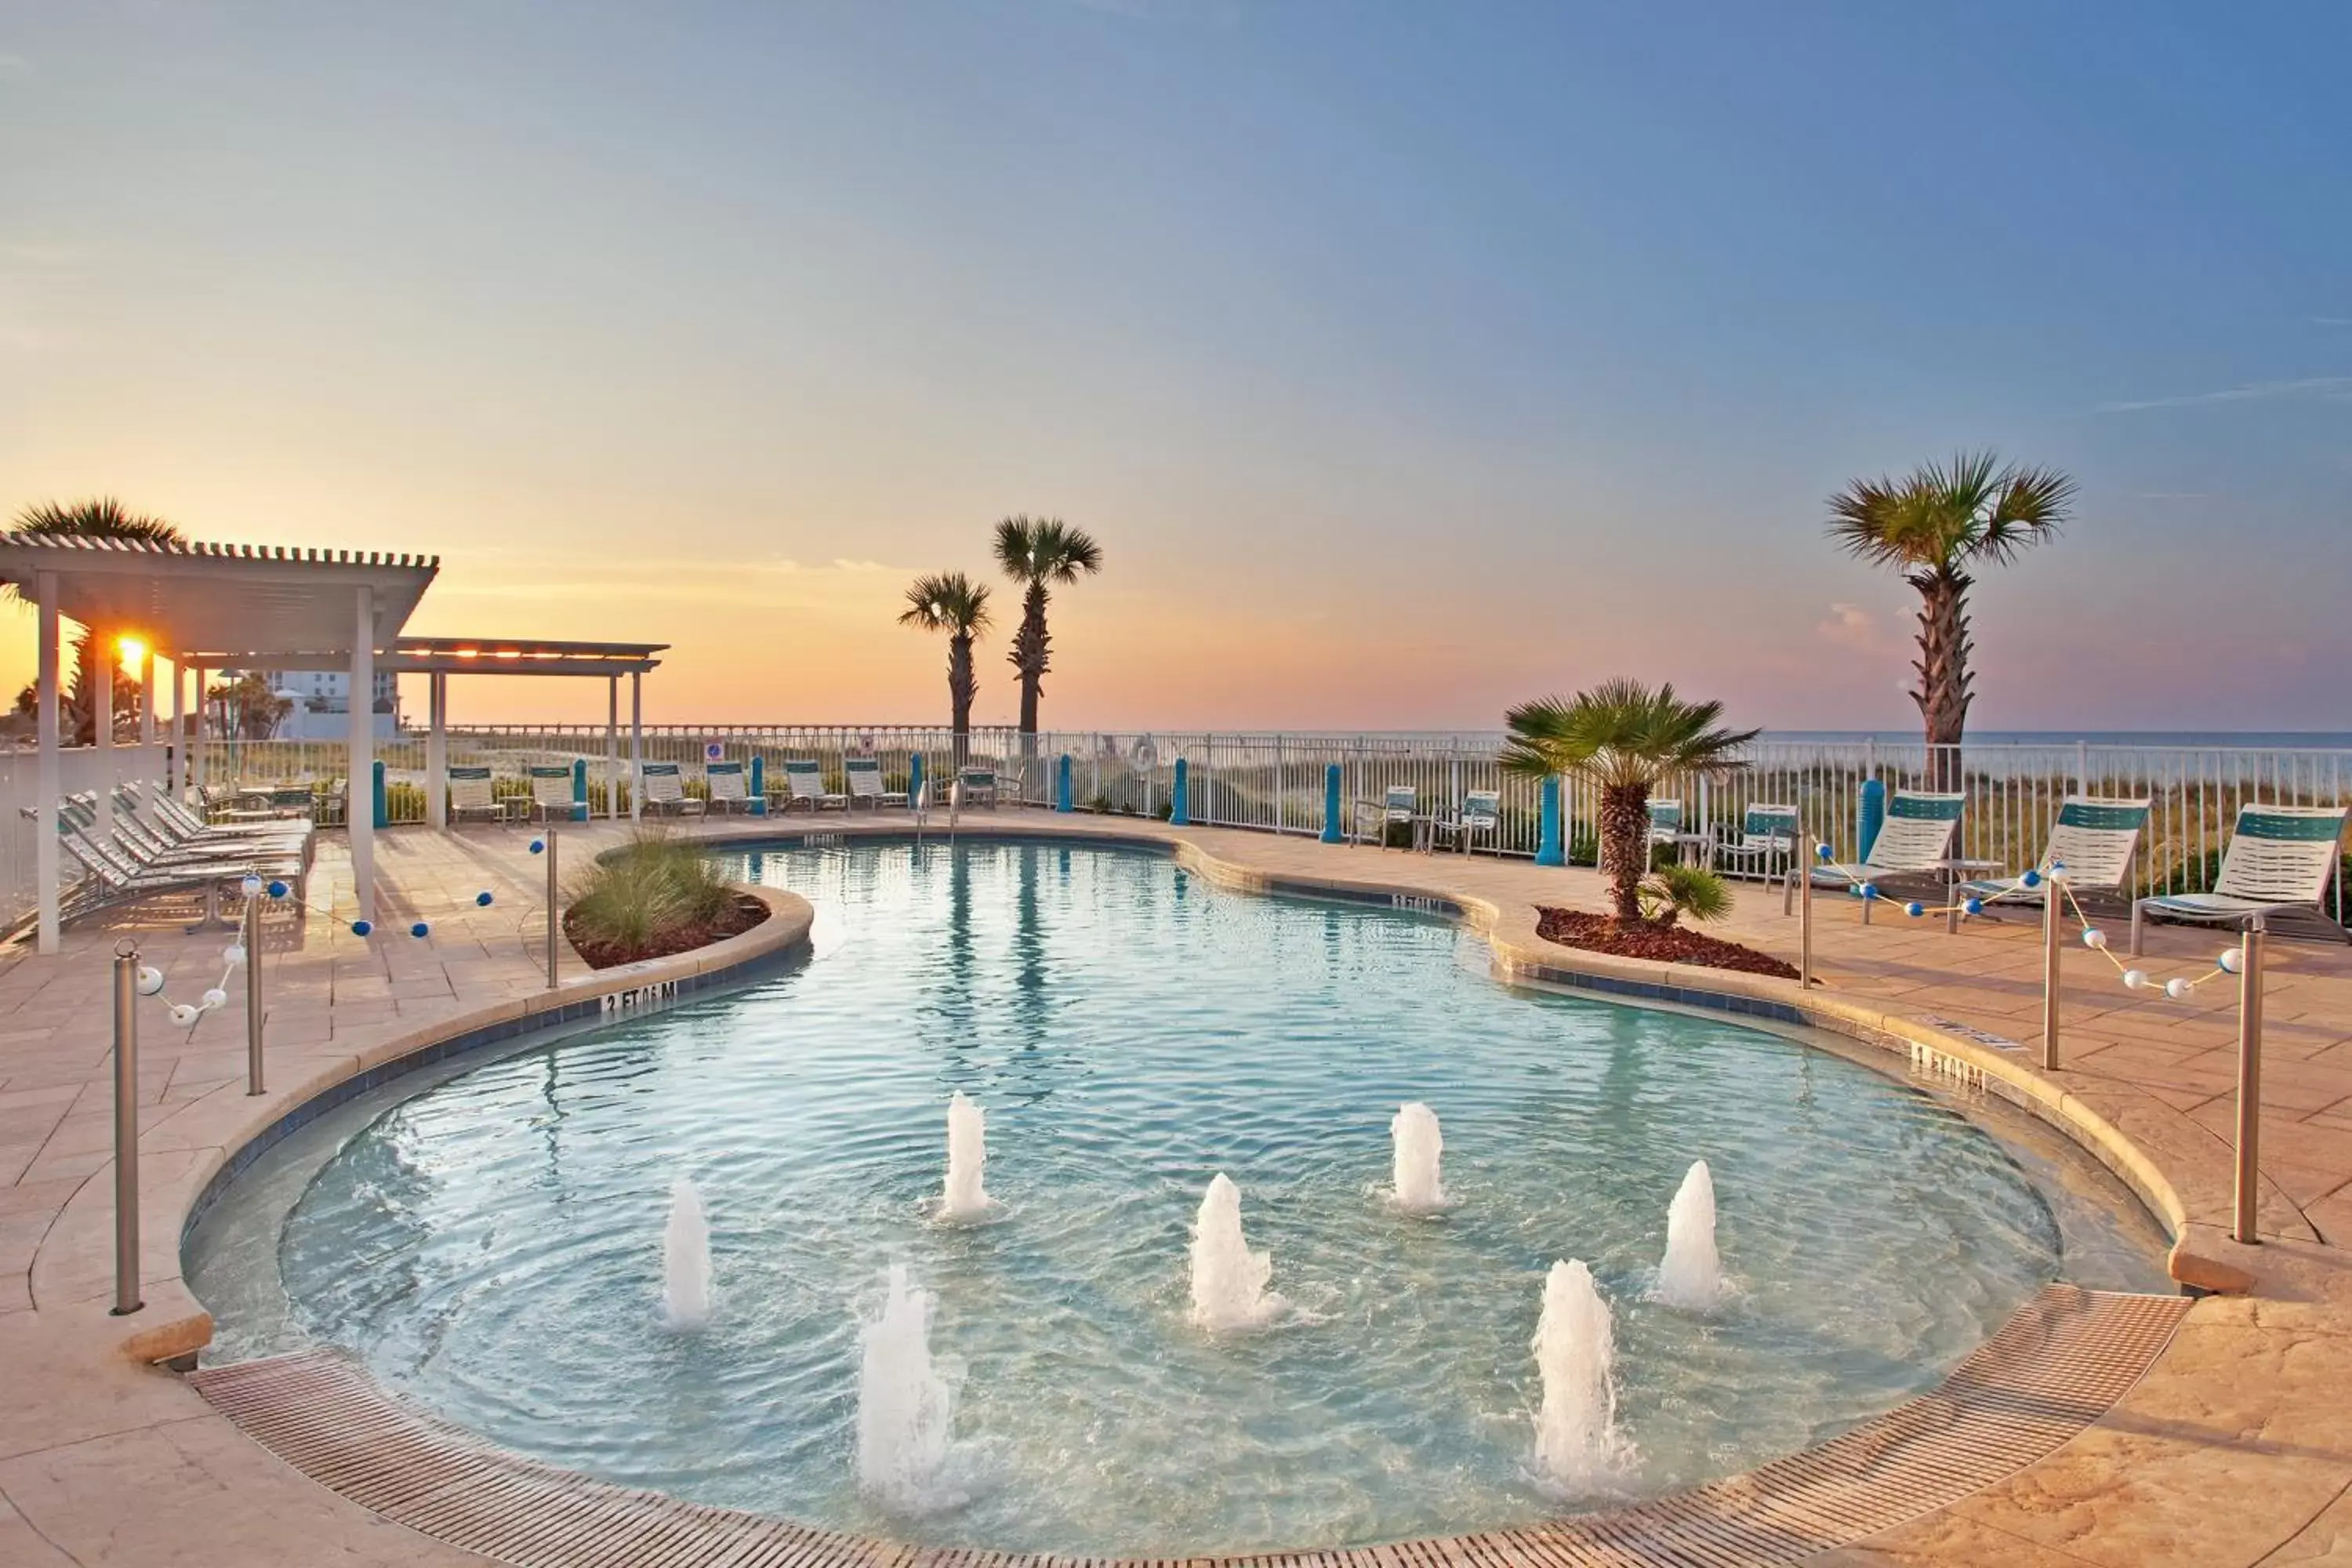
<point x="551" y="792"/>
<point x="866" y="784"/>
<point x="1665" y="821"/>
<point x="2280" y="858"/>
<point x="1399" y="803"/>
<point x="1766" y="847"/>
<point x="666" y="791"/>
<point x="2095" y="839"/>
<point x="974" y="782"/>
<point x="729" y="789"/>
<point x="471" y="794"/>
<point x="1482" y="811"/>
<point x="180" y="826"/>
<point x="1915" y="840"/>
<point x="804" y="786"/>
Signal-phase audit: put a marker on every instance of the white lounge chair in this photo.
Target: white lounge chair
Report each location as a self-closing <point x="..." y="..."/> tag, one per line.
<point x="2096" y="839"/>
<point x="1915" y="840"/>
<point x="2280" y="858"/>
<point x="974" y="782"/>
<point x="730" y="789"/>
<point x="471" y="795"/>
<point x="666" y="790"/>
<point x="1665" y="821"/>
<point x="551" y="792"/>
<point x="1482" y="811"/>
<point x="866" y="784"/>
<point x="804" y="786"/>
<point x="1398" y="802"/>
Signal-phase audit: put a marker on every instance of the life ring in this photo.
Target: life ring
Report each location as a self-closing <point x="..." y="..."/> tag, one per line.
<point x="1146" y="754"/>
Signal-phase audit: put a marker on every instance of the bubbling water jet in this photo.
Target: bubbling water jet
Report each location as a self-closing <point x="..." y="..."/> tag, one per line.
<point x="1228" y="1279"/>
<point x="1578" y="1448"/>
<point x="1418" y="1144"/>
<point x="1691" y="1275"/>
<point x="967" y="1160"/>
<point x="905" y="1408"/>
<point x="686" y="1261"/>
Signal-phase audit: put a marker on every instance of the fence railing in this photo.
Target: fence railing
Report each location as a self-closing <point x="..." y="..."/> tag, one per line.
<point x="1275" y="783"/>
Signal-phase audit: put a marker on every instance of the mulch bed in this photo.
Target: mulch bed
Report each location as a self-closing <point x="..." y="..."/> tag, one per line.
<point x="1660" y="944"/>
<point x="744" y="913"/>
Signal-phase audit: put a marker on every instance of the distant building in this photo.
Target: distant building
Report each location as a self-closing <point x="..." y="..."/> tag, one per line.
<point x="323" y="703"/>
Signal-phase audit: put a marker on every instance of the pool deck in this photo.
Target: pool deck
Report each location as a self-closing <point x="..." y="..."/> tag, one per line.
<point x="2234" y="1449"/>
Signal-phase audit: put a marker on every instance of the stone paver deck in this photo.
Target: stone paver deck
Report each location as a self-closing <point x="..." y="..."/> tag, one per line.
<point x="2236" y="1447"/>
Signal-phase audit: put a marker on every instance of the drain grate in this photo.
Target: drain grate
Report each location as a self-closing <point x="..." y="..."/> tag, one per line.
<point x="2054" y="1367"/>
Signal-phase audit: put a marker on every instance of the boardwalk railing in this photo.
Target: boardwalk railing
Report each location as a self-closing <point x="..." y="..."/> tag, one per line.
<point x="1275" y="783"/>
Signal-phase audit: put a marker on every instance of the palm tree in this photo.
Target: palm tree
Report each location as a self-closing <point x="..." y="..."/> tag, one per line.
<point x="1622" y="738"/>
<point x="1035" y="554"/>
<point x="101" y="517"/>
<point x="951" y="603"/>
<point x="1934" y="526"/>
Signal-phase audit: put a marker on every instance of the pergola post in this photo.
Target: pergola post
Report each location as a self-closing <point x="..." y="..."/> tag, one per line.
<point x="175" y="760"/>
<point x="437" y="750"/>
<point x="149" y="771"/>
<point x="45" y="772"/>
<point x="613" y="748"/>
<point x="361" y="812"/>
<point x="101" y="716"/>
<point x="636" y="745"/>
<point x="199" y="774"/>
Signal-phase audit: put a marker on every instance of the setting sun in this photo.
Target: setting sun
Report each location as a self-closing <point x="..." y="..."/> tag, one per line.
<point x="134" y="651"/>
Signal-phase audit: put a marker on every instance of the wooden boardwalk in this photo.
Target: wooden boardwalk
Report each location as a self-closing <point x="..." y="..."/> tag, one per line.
<point x="2057" y="1366"/>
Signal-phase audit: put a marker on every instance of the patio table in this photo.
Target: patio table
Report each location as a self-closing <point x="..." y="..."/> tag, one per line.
<point x="1954" y="869"/>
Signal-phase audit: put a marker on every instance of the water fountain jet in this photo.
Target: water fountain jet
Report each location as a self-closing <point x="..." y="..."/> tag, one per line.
<point x="686" y="1261"/>
<point x="905" y="1408"/>
<point x="1418" y="1144"/>
<point x="1578" y="1448"/>
<point x="1228" y="1279"/>
<point x="966" y="1197"/>
<point x="1691" y="1275"/>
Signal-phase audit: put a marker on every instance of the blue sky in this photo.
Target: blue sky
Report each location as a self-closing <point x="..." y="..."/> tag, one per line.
<point x="1408" y="360"/>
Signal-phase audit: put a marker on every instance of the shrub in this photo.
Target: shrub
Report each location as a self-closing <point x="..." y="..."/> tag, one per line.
<point x="1671" y="892"/>
<point x="1099" y="804"/>
<point x="645" y="892"/>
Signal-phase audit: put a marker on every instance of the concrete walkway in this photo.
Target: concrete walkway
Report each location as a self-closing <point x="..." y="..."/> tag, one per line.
<point x="2235" y="1450"/>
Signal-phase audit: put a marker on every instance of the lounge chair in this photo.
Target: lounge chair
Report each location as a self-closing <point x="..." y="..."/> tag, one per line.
<point x="1665" y="821"/>
<point x="866" y="784"/>
<point x="2280" y="858"/>
<point x="183" y="827"/>
<point x="1398" y="802"/>
<point x="551" y="792"/>
<point x="666" y="790"/>
<point x="1915" y="840"/>
<point x="1767" y="845"/>
<point x="2095" y="839"/>
<point x="804" y="786"/>
<point x="972" y="782"/>
<point x="729" y="791"/>
<point x="471" y="794"/>
<point x="1482" y="811"/>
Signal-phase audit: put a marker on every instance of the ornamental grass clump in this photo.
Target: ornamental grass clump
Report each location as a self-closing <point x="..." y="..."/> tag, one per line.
<point x="645" y="898"/>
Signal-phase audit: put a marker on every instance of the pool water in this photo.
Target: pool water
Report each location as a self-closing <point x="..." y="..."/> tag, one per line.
<point x="492" y="1244"/>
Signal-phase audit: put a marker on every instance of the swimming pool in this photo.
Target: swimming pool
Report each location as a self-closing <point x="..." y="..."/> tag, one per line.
<point x="492" y="1243"/>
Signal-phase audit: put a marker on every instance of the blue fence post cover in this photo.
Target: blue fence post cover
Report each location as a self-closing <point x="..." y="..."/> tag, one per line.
<point x="1549" y="849"/>
<point x="1869" y="817"/>
<point x="914" y="777"/>
<point x="380" y="812"/>
<point x="759" y="790"/>
<point x="579" y="789"/>
<point x="1062" y="785"/>
<point x="1331" y="830"/>
<point x="1180" y="801"/>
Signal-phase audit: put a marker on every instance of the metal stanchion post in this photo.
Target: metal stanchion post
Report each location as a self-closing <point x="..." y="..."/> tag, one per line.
<point x="254" y="1012"/>
<point x="2052" y="919"/>
<point x="2250" y="1080"/>
<point x="126" y="1131"/>
<point x="554" y="908"/>
<point x="1805" y="923"/>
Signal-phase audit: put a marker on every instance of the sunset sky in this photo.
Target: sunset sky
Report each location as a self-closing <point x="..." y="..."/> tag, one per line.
<point x="1407" y="360"/>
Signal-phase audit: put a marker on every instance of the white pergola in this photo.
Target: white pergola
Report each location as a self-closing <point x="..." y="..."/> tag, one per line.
<point x="212" y="607"/>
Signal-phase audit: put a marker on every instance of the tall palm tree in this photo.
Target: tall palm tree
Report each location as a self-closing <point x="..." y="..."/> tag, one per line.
<point x="1036" y="554"/>
<point x="100" y="517"/>
<point x="1936" y="526"/>
<point x="1622" y="738"/>
<point x="951" y="603"/>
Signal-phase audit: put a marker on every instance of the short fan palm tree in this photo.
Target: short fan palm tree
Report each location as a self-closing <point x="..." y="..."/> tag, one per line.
<point x="1622" y="738"/>
<point x="1038" y="555"/>
<point x="951" y="603"/>
<point x="101" y="517"/>
<point x="1937" y="526"/>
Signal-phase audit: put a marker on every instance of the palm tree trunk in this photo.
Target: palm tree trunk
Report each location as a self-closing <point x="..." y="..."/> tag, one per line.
<point x="962" y="686"/>
<point x="1943" y="695"/>
<point x="1625" y="845"/>
<point x="1030" y="655"/>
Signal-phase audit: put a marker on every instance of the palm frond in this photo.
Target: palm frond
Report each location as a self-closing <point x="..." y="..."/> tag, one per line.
<point x="100" y="517"/>
<point x="946" y="601"/>
<point x="1044" y="550"/>
<point x="1620" y="732"/>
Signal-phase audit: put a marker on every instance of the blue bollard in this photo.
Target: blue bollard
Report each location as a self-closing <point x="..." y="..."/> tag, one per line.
<point x="758" y="792"/>
<point x="914" y="777"/>
<point x="380" y="810"/>
<point x="579" y="789"/>
<point x="1332" y="833"/>
<point x="1180" y="801"/>
<point x="1549" y="850"/>
<point x="1062" y="783"/>
<point x="1869" y="817"/>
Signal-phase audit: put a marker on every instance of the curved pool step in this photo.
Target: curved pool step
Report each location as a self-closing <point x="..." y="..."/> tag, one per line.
<point x="2059" y="1363"/>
